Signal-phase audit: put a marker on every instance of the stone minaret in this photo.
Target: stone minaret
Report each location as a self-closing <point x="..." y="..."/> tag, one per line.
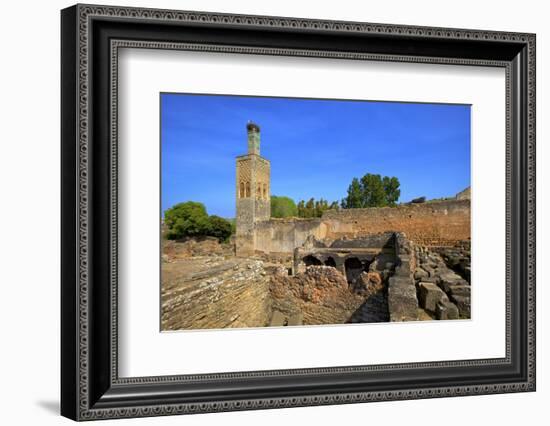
<point x="252" y="191"/>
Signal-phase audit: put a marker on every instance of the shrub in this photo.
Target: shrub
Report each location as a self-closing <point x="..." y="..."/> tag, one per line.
<point x="219" y="228"/>
<point x="283" y="207"/>
<point x="190" y="219"/>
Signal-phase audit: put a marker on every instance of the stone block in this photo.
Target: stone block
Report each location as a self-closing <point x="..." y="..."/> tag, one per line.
<point x="296" y="319"/>
<point x="402" y="301"/>
<point x="430" y="295"/>
<point x="402" y="271"/>
<point x="450" y="278"/>
<point x="403" y="268"/>
<point x="405" y="261"/>
<point x="446" y="310"/>
<point x="278" y="319"/>
<point x="420" y="274"/>
<point x="434" y="280"/>
<point x="459" y="290"/>
<point x="429" y="269"/>
<point x="463" y="305"/>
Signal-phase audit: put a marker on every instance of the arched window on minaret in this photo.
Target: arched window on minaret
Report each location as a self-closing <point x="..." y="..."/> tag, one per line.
<point x="265" y="191"/>
<point x="259" y="190"/>
<point x="247" y="189"/>
<point x="241" y="190"/>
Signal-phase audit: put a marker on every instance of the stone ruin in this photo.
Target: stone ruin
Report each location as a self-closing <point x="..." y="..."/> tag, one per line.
<point x="378" y="267"/>
<point x="442" y="277"/>
<point x="438" y="223"/>
<point x="376" y="278"/>
<point x="401" y="281"/>
<point x="403" y="263"/>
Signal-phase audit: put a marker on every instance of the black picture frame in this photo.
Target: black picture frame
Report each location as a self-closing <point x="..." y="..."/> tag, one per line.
<point x="90" y="386"/>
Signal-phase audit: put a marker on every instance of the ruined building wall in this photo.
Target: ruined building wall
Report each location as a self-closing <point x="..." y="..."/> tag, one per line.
<point x="284" y="235"/>
<point x="442" y="223"/>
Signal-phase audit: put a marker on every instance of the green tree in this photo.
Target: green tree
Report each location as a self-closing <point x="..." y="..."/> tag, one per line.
<point x="186" y="220"/>
<point x="334" y="205"/>
<point x="189" y="219"/>
<point x="391" y="188"/>
<point x="372" y="191"/>
<point x="355" y="195"/>
<point x="314" y="208"/>
<point x="320" y="207"/>
<point x="301" y="208"/>
<point x="283" y="207"/>
<point x="219" y="227"/>
<point x="310" y="208"/>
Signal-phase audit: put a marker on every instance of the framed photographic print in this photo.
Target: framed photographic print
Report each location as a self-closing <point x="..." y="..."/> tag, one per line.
<point x="263" y="212"/>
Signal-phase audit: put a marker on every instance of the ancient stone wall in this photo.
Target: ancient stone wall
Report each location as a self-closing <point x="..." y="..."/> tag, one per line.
<point x="360" y="251"/>
<point x="284" y="235"/>
<point x="319" y="295"/>
<point x="442" y="223"/>
<point x="402" y="300"/>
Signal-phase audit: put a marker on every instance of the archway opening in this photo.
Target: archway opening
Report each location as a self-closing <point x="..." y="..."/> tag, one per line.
<point x="330" y="262"/>
<point x="310" y="260"/>
<point x="353" y="267"/>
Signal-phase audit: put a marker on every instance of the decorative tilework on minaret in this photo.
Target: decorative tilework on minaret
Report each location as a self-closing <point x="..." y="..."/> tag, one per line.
<point x="252" y="192"/>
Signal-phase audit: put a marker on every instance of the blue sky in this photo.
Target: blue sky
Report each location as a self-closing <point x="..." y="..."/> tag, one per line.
<point x="315" y="147"/>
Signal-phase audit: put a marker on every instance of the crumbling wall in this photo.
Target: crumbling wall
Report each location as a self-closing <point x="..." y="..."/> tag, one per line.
<point x="335" y="253"/>
<point x="441" y="223"/>
<point x="382" y="258"/>
<point x="319" y="295"/>
<point x="284" y="235"/>
<point x="402" y="300"/>
<point x="442" y="277"/>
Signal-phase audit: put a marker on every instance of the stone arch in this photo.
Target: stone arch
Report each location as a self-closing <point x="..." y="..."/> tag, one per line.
<point x="353" y="267"/>
<point x="265" y="191"/>
<point x="247" y="189"/>
<point x="241" y="190"/>
<point x="310" y="260"/>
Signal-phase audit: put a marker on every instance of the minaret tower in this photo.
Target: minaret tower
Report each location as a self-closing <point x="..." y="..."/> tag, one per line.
<point x="252" y="191"/>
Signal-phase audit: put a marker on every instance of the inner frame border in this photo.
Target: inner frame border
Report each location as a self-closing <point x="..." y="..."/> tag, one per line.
<point x="117" y="44"/>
